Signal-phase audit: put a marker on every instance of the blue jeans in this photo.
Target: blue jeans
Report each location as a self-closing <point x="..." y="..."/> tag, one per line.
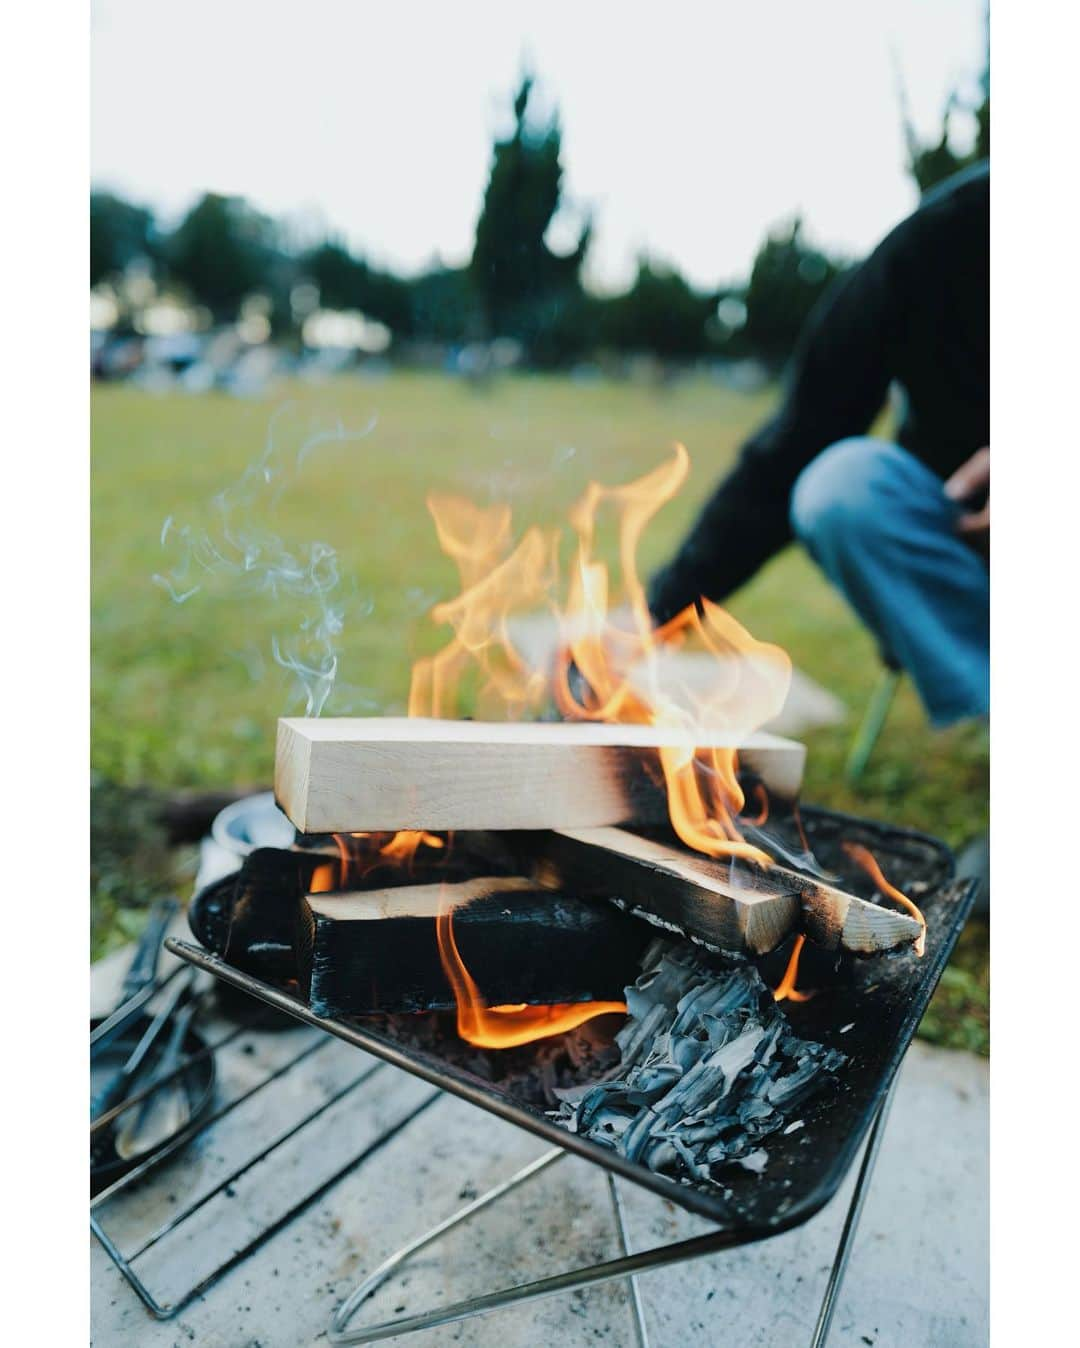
<point x="880" y="526"/>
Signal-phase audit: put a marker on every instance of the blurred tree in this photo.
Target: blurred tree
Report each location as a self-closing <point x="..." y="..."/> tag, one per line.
<point x="348" y="282"/>
<point x="334" y="270"/>
<point x="525" y="290"/>
<point x="660" y="313"/>
<point x="443" y="305"/>
<point x="222" y="251"/>
<point x="933" y="163"/>
<point x="787" y="280"/>
<point x="120" y="233"/>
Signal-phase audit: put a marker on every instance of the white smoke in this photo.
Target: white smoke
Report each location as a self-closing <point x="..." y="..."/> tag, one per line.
<point x="238" y="555"/>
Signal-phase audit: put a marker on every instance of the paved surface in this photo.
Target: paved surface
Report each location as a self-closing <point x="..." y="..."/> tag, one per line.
<point x="918" y="1274"/>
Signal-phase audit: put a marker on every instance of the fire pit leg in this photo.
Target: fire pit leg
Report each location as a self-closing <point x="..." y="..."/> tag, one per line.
<point x="640" y="1328"/>
<point x="625" y="1267"/>
<point x="851" y="1221"/>
<point x="344" y="1313"/>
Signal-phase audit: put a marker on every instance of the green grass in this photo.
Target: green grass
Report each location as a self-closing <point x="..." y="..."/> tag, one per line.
<point x="187" y="695"/>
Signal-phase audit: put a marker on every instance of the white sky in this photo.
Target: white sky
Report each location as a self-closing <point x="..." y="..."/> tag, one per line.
<point x="688" y="129"/>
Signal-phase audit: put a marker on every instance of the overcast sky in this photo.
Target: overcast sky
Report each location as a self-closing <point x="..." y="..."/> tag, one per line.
<point x="688" y="129"/>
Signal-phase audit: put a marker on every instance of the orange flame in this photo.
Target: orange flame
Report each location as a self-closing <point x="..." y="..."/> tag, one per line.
<point x="762" y="798"/>
<point x="785" y="990"/>
<point x="492" y="583"/>
<point x="606" y="670"/>
<point x="323" y="879"/>
<point x="403" y="846"/>
<point x="624" y="676"/>
<point x="359" y="853"/>
<point x="504" y="1026"/>
<point x="865" y="858"/>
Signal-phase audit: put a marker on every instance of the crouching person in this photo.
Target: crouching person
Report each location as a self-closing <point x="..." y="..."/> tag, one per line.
<point x="901" y="529"/>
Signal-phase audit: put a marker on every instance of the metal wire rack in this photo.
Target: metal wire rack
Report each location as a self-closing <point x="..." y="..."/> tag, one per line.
<point x="172" y="1248"/>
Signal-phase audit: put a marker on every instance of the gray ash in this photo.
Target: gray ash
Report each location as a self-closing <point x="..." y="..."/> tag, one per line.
<point x="533" y="1074"/>
<point x="709" y="1068"/>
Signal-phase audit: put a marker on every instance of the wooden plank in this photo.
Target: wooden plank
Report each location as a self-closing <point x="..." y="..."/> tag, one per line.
<point x="376" y="950"/>
<point x="339" y="775"/>
<point x="723" y="904"/>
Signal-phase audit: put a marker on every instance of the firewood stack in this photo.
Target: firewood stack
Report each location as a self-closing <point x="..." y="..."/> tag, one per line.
<point x="562" y="824"/>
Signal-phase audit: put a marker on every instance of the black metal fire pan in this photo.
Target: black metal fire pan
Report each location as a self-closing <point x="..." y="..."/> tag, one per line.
<point x="870" y="1015"/>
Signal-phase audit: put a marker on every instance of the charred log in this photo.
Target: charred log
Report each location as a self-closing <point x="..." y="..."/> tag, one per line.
<point x="376" y="951"/>
<point x="721" y="902"/>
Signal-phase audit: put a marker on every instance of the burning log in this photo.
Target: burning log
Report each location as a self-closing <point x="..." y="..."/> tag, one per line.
<point x="345" y="774"/>
<point x="376" y="950"/>
<point x="250" y="918"/>
<point x="726" y="904"/>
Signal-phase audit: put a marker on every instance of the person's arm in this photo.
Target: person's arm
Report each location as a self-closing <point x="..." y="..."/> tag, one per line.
<point x="837" y="384"/>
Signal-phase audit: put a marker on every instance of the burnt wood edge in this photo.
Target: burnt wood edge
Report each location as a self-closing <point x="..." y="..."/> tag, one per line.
<point x="699" y="905"/>
<point x="651" y="892"/>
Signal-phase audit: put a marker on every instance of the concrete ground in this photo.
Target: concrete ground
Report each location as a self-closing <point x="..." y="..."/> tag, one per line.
<point x="918" y="1274"/>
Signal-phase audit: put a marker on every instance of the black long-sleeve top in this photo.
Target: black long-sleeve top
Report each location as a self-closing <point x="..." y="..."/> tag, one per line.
<point x="917" y="311"/>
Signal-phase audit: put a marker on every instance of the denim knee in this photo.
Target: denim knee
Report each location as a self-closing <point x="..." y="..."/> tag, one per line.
<point x="838" y="495"/>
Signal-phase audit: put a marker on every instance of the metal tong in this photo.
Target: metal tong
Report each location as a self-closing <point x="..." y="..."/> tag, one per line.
<point x="140" y="981"/>
<point x="119" y="1085"/>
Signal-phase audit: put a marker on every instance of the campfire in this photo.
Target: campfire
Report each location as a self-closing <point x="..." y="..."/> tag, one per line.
<point x="602" y="893"/>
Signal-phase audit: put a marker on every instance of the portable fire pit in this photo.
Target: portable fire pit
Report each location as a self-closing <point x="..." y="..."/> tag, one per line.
<point x="864" y="1013"/>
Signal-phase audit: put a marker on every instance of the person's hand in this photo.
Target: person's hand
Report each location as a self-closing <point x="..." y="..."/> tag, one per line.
<point x="967" y="486"/>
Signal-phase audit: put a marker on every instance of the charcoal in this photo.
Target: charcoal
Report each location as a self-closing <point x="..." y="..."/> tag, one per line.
<point x="710" y="1067"/>
<point x="265" y="904"/>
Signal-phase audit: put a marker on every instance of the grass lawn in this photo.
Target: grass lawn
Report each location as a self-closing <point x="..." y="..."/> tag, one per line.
<point x="187" y="695"/>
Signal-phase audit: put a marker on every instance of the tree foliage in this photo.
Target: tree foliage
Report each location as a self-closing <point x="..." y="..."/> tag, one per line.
<point x="348" y="282"/>
<point x="524" y="289"/>
<point x="443" y="305"/>
<point x="660" y="313"/>
<point x="223" y="251"/>
<point x="120" y="233"/>
<point x="787" y="279"/>
<point x="930" y="164"/>
<point x="515" y="285"/>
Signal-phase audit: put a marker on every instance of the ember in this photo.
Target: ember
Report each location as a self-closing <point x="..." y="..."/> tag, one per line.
<point x="865" y="1009"/>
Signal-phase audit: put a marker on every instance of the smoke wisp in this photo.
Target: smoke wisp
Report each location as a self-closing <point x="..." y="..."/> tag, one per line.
<point x="238" y="555"/>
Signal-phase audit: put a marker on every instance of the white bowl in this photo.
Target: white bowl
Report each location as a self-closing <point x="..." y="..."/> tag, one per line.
<point x="252" y="822"/>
